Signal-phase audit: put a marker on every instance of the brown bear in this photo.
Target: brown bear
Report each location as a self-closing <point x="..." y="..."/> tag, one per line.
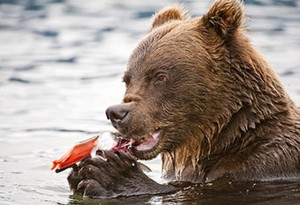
<point x="199" y="94"/>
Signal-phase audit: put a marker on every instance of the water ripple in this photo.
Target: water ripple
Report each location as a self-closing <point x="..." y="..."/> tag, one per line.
<point x="61" y="64"/>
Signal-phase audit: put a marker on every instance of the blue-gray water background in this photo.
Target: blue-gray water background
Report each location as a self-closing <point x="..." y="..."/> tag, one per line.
<point x="61" y="63"/>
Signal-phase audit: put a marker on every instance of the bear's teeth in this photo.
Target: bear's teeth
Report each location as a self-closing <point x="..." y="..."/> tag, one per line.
<point x="156" y="134"/>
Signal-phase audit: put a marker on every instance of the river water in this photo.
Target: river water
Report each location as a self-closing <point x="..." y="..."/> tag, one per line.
<point x="61" y="63"/>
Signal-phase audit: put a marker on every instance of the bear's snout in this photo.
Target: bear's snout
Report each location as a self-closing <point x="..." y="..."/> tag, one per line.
<point x="118" y="115"/>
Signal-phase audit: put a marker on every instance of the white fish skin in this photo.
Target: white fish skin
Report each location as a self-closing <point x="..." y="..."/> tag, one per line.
<point x="106" y="141"/>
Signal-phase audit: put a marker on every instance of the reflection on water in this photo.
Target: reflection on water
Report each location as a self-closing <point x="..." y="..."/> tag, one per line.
<point x="61" y="64"/>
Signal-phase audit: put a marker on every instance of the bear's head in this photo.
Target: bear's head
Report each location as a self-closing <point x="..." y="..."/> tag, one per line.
<point x="193" y="85"/>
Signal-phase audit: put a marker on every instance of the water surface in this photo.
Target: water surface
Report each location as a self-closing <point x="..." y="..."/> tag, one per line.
<point x="61" y="64"/>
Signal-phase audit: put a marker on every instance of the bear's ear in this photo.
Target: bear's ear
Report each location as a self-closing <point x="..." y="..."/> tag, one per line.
<point x="168" y="14"/>
<point x="225" y="16"/>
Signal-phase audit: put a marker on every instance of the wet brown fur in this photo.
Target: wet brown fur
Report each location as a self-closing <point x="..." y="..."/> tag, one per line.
<point x="222" y="109"/>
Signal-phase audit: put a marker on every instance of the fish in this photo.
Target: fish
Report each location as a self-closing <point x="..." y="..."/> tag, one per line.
<point x="90" y="147"/>
<point x="77" y="153"/>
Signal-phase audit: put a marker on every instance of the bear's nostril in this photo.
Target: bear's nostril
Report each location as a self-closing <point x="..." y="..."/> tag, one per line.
<point x="116" y="113"/>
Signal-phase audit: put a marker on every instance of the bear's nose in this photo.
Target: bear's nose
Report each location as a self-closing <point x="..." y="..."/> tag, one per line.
<point x="117" y="114"/>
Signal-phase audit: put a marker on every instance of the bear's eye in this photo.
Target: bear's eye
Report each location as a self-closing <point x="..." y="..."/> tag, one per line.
<point x="126" y="79"/>
<point x="160" y="78"/>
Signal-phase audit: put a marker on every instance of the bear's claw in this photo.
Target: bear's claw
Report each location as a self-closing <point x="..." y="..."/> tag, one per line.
<point x="118" y="174"/>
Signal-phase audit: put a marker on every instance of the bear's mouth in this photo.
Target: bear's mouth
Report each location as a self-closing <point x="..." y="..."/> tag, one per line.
<point x="142" y="147"/>
<point x="146" y="142"/>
